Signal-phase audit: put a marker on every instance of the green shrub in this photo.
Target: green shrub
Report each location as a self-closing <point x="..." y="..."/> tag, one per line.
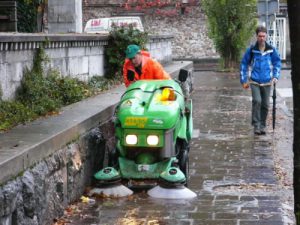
<point x="71" y="89"/>
<point x="26" y="16"/>
<point x="30" y="13"/>
<point x="231" y="24"/>
<point x="38" y="93"/>
<point x="46" y="94"/>
<point x="120" y="38"/>
<point x="14" y="113"/>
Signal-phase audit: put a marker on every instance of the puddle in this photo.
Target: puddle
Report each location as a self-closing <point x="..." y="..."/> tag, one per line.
<point x="217" y="137"/>
<point x="220" y="187"/>
<point x="244" y="188"/>
<point x="196" y="133"/>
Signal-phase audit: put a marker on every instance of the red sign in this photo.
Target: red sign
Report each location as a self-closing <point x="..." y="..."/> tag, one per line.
<point x="95" y="23"/>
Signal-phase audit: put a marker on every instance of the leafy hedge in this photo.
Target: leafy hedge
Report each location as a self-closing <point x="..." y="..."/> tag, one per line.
<point x="120" y="38"/>
<point x="14" y="113"/>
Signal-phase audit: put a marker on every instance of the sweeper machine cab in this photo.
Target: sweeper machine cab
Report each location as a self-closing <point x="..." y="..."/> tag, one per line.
<point x="153" y="127"/>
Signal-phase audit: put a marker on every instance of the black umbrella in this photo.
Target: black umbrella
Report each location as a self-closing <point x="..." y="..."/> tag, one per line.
<point x="274" y="106"/>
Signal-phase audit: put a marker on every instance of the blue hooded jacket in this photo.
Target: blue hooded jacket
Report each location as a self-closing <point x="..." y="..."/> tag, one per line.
<point x="265" y="65"/>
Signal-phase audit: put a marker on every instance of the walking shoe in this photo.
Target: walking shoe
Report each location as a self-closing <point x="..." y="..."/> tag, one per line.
<point x="262" y="131"/>
<point x="257" y="131"/>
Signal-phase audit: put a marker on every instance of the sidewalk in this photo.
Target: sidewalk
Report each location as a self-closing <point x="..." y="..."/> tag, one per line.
<point x="251" y="173"/>
<point x="239" y="178"/>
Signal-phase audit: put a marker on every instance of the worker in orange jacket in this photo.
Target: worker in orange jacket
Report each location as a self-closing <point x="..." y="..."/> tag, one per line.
<point x="139" y="65"/>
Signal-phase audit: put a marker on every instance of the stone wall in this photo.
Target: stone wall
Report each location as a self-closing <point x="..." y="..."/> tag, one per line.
<point x="78" y="55"/>
<point x="41" y="193"/>
<point x="190" y="33"/>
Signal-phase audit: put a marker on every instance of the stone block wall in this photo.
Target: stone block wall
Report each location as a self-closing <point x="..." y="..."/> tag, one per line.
<point x="80" y="62"/>
<point x="42" y="192"/>
<point x="79" y="56"/>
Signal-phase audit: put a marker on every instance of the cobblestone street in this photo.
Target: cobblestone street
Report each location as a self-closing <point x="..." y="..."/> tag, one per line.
<point x="239" y="178"/>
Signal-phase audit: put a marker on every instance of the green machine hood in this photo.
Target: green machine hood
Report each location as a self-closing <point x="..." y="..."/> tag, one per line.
<point x="144" y="105"/>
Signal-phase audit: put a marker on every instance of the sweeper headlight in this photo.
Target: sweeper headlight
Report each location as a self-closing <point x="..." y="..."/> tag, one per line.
<point x="152" y="140"/>
<point x="168" y="94"/>
<point x="131" y="139"/>
<point x="143" y="138"/>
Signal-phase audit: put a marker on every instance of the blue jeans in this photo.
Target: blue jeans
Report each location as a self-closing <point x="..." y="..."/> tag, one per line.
<point x="260" y="105"/>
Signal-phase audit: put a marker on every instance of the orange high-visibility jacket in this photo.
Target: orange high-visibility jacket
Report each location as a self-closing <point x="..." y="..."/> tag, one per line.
<point x="151" y="69"/>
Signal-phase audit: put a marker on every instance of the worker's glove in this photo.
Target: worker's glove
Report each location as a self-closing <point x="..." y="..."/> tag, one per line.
<point x="245" y="85"/>
<point x="130" y="75"/>
<point x="274" y="80"/>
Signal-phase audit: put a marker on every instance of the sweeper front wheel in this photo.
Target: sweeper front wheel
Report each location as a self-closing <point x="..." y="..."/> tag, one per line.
<point x="182" y="148"/>
<point x="113" y="158"/>
<point x="184" y="163"/>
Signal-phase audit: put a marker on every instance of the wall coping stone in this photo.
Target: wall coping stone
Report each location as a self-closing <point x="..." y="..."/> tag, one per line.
<point x="22" y="37"/>
<point x="18" y="41"/>
<point x="30" y="37"/>
<point x="22" y="41"/>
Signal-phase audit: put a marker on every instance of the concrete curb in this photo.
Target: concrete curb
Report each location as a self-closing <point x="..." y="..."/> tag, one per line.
<point x="25" y="145"/>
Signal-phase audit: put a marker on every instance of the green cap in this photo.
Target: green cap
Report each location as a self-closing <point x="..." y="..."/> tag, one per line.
<point x="131" y="51"/>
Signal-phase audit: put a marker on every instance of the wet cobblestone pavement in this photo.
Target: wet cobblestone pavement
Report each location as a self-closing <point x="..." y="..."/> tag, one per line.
<point x="231" y="170"/>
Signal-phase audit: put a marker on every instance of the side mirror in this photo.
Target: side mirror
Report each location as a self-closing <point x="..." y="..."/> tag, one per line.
<point x="183" y="75"/>
<point x="130" y="75"/>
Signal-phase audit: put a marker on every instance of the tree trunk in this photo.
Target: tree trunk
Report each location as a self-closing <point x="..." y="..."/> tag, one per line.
<point x="294" y="23"/>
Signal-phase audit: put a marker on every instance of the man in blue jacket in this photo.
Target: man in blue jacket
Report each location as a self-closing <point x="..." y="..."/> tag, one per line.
<point x="265" y="63"/>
